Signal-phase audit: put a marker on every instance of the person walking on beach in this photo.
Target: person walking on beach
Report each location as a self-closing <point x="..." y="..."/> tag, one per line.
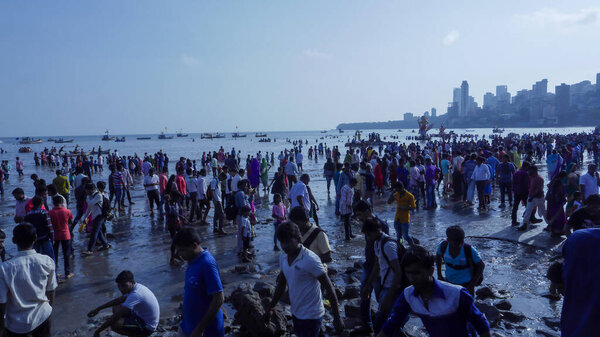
<point x="151" y="182"/>
<point x="313" y="237"/>
<point x="203" y="291"/>
<point x="95" y="202"/>
<point x="505" y="172"/>
<point x="214" y="193"/>
<point x="38" y="217"/>
<point x="464" y="266"/>
<point x="291" y="171"/>
<point x="27" y="284"/>
<point x="445" y="309"/>
<point x="62" y="218"/>
<point x="535" y="198"/>
<point x="346" y="200"/>
<point x="303" y="273"/>
<point x="135" y="313"/>
<point x="202" y="185"/>
<point x="481" y="175"/>
<point x="405" y="202"/>
<point x="62" y="185"/>
<point x="19" y="166"/>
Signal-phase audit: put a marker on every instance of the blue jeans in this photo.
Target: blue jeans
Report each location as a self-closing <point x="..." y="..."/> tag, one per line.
<point x="402" y="231"/>
<point x="119" y="196"/>
<point x="44" y="247"/>
<point x="307" y="327"/>
<point x="365" y="304"/>
<point x="97" y="233"/>
<point x="430" y="195"/>
<point x="380" y="317"/>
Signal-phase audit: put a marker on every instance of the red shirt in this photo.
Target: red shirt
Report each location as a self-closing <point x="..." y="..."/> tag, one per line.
<point x="162" y="182"/>
<point x="181" y="185"/>
<point x="61" y="216"/>
<point x="29" y="206"/>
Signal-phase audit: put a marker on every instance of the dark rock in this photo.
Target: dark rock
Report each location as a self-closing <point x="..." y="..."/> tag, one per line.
<point x="351" y="323"/>
<point x="545" y="333"/>
<point x="250" y="313"/>
<point x="338" y="292"/>
<point x="241" y="269"/>
<point x="350" y="270"/>
<point x="552" y="322"/>
<point x="492" y="314"/>
<point x="485" y="292"/>
<point x="352" y="308"/>
<point x="331" y="271"/>
<point x="351" y="292"/>
<point x="503" y="305"/>
<point x="513" y="317"/>
<point x="358" y="265"/>
<point x="264" y="289"/>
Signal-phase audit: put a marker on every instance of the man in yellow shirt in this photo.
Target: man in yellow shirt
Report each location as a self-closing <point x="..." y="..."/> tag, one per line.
<point x="62" y="185"/>
<point x="405" y="202"/>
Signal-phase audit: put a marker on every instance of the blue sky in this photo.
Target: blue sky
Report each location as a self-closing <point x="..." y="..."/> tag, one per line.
<point x="80" y="67"/>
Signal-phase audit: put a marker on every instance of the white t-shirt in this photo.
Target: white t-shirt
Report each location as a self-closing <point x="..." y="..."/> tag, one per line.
<point x="303" y="283"/>
<point x="590" y="183"/>
<point x="151" y="180"/>
<point x="299" y="188"/>
<point x="143" y="303"/>
<point x="201" y="186"/>
<point x="215" y="187"/>
<point x="234" y="183"/>
<point x="391" y="251"/>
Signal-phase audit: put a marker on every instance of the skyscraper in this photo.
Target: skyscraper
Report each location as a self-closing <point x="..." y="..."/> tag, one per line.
<point x="598" y="83"/>
<point x="562" y="101"/>
<point x="464" y="99"/>
<point x="433" y="112"/>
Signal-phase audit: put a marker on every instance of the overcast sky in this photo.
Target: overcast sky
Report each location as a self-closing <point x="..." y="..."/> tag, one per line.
<point x="80" y="67"/>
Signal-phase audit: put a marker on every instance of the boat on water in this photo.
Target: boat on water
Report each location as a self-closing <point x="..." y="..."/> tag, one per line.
<point x="143" y="138"/>
<point x="340" y="131"/>
<point x="238" y="135"/>
<point x="219" y="135"/>
<point x="163" y="136"/>
<point x="51" y="139"/>
<point x="120" y="140"/>
<point x="181" y="134"/>
<point x="399" y="130"/>
<point x="107" y="137"/>
<point x="28" y="140"/>
<point x="497" y="130"/>
<point x="324" y="131"/>
<point x="25" y="149"/>
<point x="264" y="140"/>
<point x="470" y="130"/>
<point x="62" y="141"/>
<point x="260" y="135"/>
<point x="206" y="136"/>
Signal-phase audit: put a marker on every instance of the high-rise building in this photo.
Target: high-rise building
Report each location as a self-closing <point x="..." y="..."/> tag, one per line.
<point x="540" y="88"/>
<point x="562" y="101"/>
<point x="408" y="116"/>
<point x="501" y="90"/>
<point x="464" y="99"/>
<point x="433" y="112"/>
<point x="598" y="83"/>
<point x="456" y="99"/>
<point x="489" y="101"/>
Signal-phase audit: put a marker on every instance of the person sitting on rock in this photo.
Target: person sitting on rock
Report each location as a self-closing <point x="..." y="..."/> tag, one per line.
<point x="445" y="309"/>
<point x="136" y="313"/>
<point x="464" y="266"/>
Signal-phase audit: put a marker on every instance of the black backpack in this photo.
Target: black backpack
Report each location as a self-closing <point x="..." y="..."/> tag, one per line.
<point x="106" y="210"/>
<point x="401" y="251"/>
<point x="468" y="256"/>
<point x="312" y="237"/>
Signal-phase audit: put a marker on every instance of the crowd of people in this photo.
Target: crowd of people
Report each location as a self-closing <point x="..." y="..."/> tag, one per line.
<point x="398" y="273"/>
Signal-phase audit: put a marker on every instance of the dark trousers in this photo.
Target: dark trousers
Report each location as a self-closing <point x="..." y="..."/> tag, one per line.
<point x="480" y="187"/>
<point x="97" y="233"/>
<point x="515" y="207"/>
<point x="307" y="327"/>
<point x="153" y="198"/>
<point x="347" y="227"/>
<point x="43" y="330"/>
<point x="506" y="189"/>
<point x="204" y="208"/>
<point x="219" y="216"/>
<point x="195" y="209"/>
<point x="66" y="248"/>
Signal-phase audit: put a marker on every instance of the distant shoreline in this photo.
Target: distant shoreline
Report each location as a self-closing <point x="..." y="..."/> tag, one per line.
<point x="437" y="122"/>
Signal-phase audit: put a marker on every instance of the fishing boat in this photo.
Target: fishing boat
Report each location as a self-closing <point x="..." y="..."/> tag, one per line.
<point x="181" y="134"/>
<point x="143" y="138"/>
<point x="340" y="131"/>
<point x="25" y="149"/>
<point x="238" y="135"/>
<point x="260" y="135"/>
<point x="206" y="136"/>
<point x="28" y="140"/>
<point x="62" y="141"/>
<point x="219" y="135"/>
<point x="51" y="139"/>
<point x="101" y="152"/>
<point x="497" y="130"/>
<point x="470" y="130"/>
<point x="324" y="131"/>
<point x="120" y="140"/>
<point x="264" y="140"/>
<point x="107" y="137"/>
<point x="163" y="136"/>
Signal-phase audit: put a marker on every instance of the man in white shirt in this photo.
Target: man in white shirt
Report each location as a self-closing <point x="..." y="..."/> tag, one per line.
<point x="78" y="176"/>
<point x="215" y="195"/>
<point x="299" y="193"/>
<point x="291" y="171"/>
<point x="203" y="202"/>
<point x="299" y="159"/>
<point x="589" y="182"/>
<point x="303" y="271"/>
<point x="95" y="201"/>
<point x="481" y="176"/>
<point x="27" y="284"/>
<point x="192" y="190"/>
<point x="136" y="313"/>
<point x="151" y="185"/>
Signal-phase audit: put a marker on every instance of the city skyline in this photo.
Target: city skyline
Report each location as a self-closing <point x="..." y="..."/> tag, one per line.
<point x="134" y="68"/>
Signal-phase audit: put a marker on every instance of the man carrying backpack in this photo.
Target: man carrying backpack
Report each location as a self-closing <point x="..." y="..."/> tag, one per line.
<point x="98" y="208"/>
<point x="388" y="254"/>
<point x="463" y="264"/>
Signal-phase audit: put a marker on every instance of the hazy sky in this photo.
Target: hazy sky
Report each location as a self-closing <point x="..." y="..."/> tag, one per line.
<point x="80" y="67"/>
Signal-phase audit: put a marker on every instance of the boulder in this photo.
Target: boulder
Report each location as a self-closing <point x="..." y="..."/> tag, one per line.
<point x="250" y="313"/>
<point x="492" y="314"/>
<point x="351" y="292"/>
<point x="331" y="271"/>
<point x="545" y="333"/>
<point x="552" y="322"/>
<point x="352" y="308"/>
<point x="503" y="305"/>
<point x="350" y="270"/>
<point x="264" y="289"/>
<point x="513" y="317"/>
<point x="485" y="292"/>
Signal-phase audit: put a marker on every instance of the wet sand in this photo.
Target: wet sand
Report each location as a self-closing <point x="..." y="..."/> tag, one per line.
<point x="141" y="244"/>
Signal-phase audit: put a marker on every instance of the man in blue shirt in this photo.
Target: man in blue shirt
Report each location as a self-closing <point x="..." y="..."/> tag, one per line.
<point x="445" y="309"/>
<point x="505" y="173"/>
<point x="203" y="292"/>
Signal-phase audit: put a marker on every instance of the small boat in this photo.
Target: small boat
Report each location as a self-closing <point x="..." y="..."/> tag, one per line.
<point x="163" y="136"/>
<point x="101" y="152"/>
<point x="260" y="135"/>
<point x="340" y="131"/>
<point x="181" y="134"/>
<point x="120" y="140"/>
<point x="237" y="135"/>
<point x="469" y="130"/>
<point x="106" y="136"/>
<point x="28" y="140"/>
<point x="206" y="136"/>
<point x="324" y="131"/>
<point x="62" y="141"/>
<point x="399" y="130"/>
<point x="497" y="130"/>
<point x="264" y="140"/>
<point x="25" y="149"/>
<point x="219" y="135"/>
<point x="50" y="139"/>
<point x="143" y="138"/>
